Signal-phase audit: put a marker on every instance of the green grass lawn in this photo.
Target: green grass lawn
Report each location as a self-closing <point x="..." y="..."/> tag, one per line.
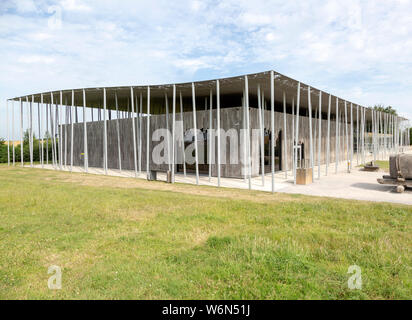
<point x="118" y="238"/>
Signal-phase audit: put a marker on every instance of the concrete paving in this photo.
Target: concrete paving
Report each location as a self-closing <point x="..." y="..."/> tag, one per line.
<point x="357" y="185"/>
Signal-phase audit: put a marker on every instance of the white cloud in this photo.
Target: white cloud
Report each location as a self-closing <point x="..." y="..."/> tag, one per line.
<point x="361" y="50"/>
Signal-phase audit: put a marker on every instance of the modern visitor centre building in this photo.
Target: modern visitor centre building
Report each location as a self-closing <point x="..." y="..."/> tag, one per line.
<point x="251" y="130"/>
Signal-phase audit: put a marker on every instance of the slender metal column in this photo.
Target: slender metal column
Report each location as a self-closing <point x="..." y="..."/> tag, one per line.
<point x="297" y="131"/>
<point x="134" y="132"/>
<point x="328" y="136"/>
<point x="262" y="135"/>
<point x="167" y="129"/>
<point x="293" y="137"/>
<point x="86" y="155"/>
<point x="249" y="165"/>
<point x="140" y="133"/>
<point x="346" y="133"/>
<point x="118" y="131"/>
<point x="357" y="135"/>
<point x="21" y="133"/>
<point x="72" y="132"/>
<point x="351" y="135"/>
<point x="195" y="132"/>
<point x="148" y="133"/>
<point x="61" y="131"/>
<point x="310" y="133"/>
<point x="218" y="130"/>
<point x="8" y="132"/>
<point x="31" y="131"/>
<point x="173" y="133"/>
<point x="285" y="136"/>
<point x="320" y="133"/>
<point x="41" y="117"/>
<point x="13" y="133"/>
<point x="105" y="130"/>
<point x="272" y="118"/>
<point x="39" y="138"/>
<point x="66" y="120"/>
<point x="337" y="136"/>
<point x="183" y="134"/>
<point x="210" y="135"/>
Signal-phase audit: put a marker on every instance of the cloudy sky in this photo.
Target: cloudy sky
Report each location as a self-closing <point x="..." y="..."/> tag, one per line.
<point x="358" y="50"/>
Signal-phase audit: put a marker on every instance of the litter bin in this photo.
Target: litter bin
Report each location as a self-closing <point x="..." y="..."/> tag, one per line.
<point x="169" y="176"/>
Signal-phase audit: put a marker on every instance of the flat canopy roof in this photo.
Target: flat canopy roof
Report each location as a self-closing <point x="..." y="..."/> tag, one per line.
<point x="228" y="86"/>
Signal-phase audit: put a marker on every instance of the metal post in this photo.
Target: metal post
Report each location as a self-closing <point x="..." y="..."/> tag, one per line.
<point x="328" y="135"/>
<point x="346" y="132"/>
<point x="262" y="135"/>
<point x="195" y="132"/>
<point x="65" y="131"/>
<point x="86" y="155"/>
<point x="310" y="132"/>
<point x="148" y="133"/>
<point x="39" y="138"/>
<point x="210" y="135"/>
<point x="21" y="133"/>
<point x="173" y="133"/>
<point x="72" y="132"/>
<point x="183" y="134"/>
<point x="13" y="133"/>
<point x="320" y="133"/>
<point x="249" y="165"/>
<point x="337" y="136"/>
<point x="134" y="132"/>
<point x="118" y="131"/>
<point x="41" y="117"/>
<point x="61" y="131"/>
<point x="357" y="135"/>
<point x="351" y="135"/>
<point x="31" y="131"/>
<point x="167" y="129"/>
<point x="297" y="131"/>
<point x="272" y="118"/>
<point x="293" y="136"/>
<point x="8" y="132"/>
<point x="140" y="133"/>
<point x="285" y="137"/>
<point x="218" y="130"/>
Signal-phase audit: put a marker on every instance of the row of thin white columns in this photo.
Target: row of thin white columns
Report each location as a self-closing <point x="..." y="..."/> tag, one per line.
<point x="382" y="137"/>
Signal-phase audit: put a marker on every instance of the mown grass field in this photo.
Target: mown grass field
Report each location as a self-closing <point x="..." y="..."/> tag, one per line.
<point x="118" y="238"/>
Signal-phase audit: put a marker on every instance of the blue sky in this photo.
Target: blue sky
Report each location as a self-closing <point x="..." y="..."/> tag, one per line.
<point x="358" y="50"/>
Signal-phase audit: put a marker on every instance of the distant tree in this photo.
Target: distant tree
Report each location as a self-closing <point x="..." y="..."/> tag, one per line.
<point x="388" y="109"/>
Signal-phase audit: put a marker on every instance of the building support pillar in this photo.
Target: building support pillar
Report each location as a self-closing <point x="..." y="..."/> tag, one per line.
<point x="211" y="136"/>
<point x="218" y="131"/>
<point x="183" y="134"/>
<point x="310" y="133"/>
<point x="173" y="133"/>
<point x="134" y="131"/>
<point x="337" y="137"/>
<point x="195" y="132"/>
<point x="328" y="136"/>
<point x="86" y="155"/>
<point x="272" y="121"/>
<point x="295" y="153"/>
<point x="249" y="165"/>
<point x="262" y="135"/>
<point x="119" y="151"/>
<point x="148" y="134"/>
<point x="320" y="133"/>
<point x="285" y="142"/>
<point x="21" y="133"/>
